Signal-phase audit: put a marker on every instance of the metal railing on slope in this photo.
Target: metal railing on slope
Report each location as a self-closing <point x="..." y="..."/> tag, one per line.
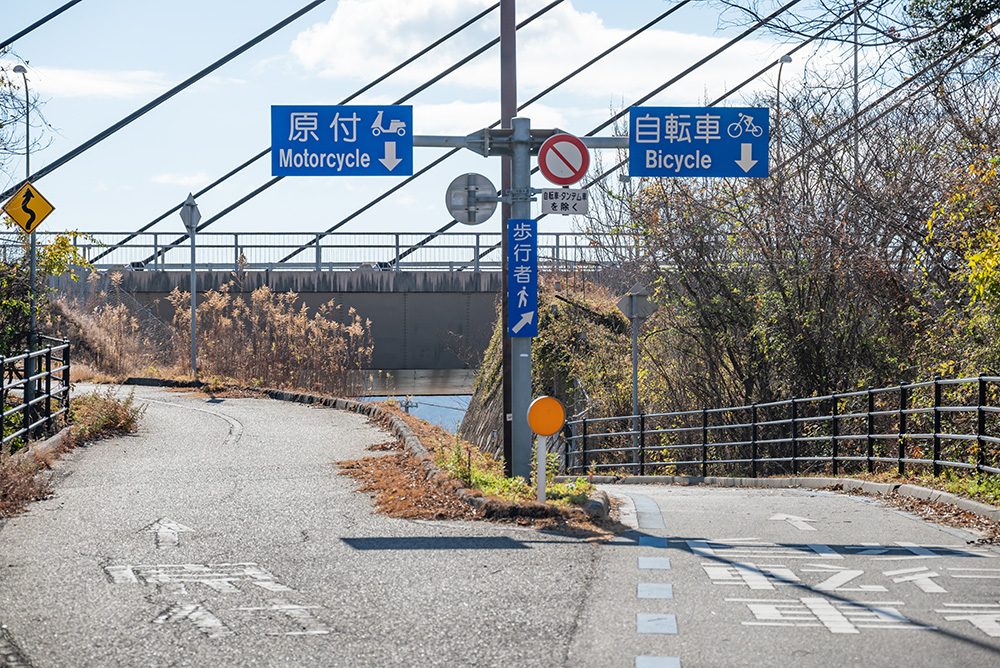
<point x="30" y="403"/>
<point x="939" y="424"/>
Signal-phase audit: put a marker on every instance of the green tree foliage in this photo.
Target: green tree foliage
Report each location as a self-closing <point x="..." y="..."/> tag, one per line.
<point x="950" y="25"/>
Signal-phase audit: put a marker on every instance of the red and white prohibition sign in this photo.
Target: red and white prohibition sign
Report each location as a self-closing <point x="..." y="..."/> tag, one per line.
<point x="563" y="159"/>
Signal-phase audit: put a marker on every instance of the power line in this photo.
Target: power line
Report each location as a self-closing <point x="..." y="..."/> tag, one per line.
<point x="163" y="98"/>
<point x="37" y="24"/>
<point x="452" y="152"/>
<point x="413" y="92"/>
<point x="263" y="153"/>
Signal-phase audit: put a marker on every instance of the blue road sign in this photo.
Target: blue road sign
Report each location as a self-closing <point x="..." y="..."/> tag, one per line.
<point x="698" y="141"/>
<point x="522" y="278"/>
<point x="359" y="140"/>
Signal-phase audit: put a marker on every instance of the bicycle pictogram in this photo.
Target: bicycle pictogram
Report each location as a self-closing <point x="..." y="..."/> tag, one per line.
<point x="744" y="123"/>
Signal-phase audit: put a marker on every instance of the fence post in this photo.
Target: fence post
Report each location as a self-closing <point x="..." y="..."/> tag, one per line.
<point x="642" y="444"/>
<point x="753" y="441"/>
<point x="395" y="263"/>
<point x="583" y="445"/>
<point x="319" y="255"/>
<point x="65" y="381"/>
<point x="981" y="425"/>
<point x="48" y="390"/>
<point x="3" y="395"/>
<point x="156" y="251"/>
<point x="795" y="438"/>
<point x="704" y="442"/>
<point x="870" y="424"/>
<point x="937" y="425"/>
<point x="835" y="433"/>
<point x="901" y="452"/>
<point x="475" y="259"/>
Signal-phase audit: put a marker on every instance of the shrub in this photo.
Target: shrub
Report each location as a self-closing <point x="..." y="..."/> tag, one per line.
<point x="102" y="414"/>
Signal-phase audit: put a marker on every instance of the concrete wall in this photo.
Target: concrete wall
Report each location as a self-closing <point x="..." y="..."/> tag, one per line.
<point x="418" y="319"/>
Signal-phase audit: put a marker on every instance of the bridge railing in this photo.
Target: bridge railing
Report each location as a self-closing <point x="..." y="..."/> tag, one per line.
<point x="34" y="392"/>
<point x="386" y="251"/>
<point x="939" y="424"/>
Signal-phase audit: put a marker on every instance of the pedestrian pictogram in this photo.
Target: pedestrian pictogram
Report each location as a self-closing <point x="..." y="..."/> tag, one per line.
<point x="563" y="159"/>
<point x="28" y="208"/>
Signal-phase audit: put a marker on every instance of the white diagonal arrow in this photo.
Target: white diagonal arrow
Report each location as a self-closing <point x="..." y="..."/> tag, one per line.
<point x="390" y="160"/>
<point x="746" y="161"/>
<point x="166" y="531"/>
<point x="525" y="320"/>
<point x="797" y="522"/>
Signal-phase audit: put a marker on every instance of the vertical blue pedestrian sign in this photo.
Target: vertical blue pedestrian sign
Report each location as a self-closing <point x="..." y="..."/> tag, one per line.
<point x="355" y="140"/>
<point x="698" y="141"/>
<point x="522" y="278"/>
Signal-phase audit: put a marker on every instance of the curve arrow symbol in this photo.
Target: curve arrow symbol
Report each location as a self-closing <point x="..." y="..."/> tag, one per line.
<point x="28" y="195"/>
<point x="746" y="161"/>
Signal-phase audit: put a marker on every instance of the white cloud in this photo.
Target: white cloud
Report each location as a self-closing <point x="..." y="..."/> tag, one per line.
<point x="116" y="84"/>
<point x="187" y="180"/>
<point x="364" y="38"/>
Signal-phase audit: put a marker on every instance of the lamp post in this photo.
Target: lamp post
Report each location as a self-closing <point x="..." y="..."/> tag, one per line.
<point x="20" y="69"/>
<point x="29" y="362"/>
<point x="777" y="103"/>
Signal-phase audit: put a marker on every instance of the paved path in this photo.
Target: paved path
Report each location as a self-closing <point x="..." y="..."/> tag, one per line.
<point x="722" y="577"/>
<point x="220" y="535"/>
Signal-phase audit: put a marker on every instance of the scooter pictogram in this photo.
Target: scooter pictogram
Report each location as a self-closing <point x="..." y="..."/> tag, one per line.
<point x="395" y="125"/>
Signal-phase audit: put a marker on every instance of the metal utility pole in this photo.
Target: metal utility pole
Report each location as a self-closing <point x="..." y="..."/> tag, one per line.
<point x="520" y="348"/>
<point x="508" y="109"/>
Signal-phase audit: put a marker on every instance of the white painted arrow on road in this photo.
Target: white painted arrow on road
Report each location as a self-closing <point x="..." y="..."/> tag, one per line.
<point x="390" y="160"/>
<point x="166" y="531"/>
<point x="797" y="522"/>
<point x="746" y="161"/>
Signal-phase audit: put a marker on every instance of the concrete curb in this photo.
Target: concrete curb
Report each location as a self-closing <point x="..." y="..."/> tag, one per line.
<point x="597" y="508"/>
<point x="44" y="450"/>
<point x="847" y="484"/>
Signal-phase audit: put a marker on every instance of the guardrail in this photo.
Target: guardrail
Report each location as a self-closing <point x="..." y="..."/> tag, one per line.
<point x="29" y="385"/>
<point x="389" y="251"/>
<point x="938" y="424"/>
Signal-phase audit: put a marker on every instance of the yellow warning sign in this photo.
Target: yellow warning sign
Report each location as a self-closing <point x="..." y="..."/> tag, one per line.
<point x="28" y="208"/>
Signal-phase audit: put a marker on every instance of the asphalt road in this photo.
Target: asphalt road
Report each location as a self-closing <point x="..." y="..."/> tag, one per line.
<point x="220" y="535"/>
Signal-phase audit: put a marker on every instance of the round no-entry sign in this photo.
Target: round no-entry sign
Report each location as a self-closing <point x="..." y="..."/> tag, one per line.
<point x="563" y="159"/>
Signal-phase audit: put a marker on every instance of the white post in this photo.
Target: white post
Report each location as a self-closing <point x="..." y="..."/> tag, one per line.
<point x="543" y="448"/>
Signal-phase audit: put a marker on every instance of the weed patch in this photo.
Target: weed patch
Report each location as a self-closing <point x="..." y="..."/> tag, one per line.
<point x="103" y="414"/>
<point x="19" y="484"/>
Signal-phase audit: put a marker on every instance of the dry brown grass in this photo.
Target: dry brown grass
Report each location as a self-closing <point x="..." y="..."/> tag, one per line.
<point x="272" y="340"/>
<point x="20" y="484"/>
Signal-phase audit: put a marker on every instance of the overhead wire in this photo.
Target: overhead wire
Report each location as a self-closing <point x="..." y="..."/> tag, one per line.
<point x="37" y="24"/>
<point x="98" y="138"/>
<point x="267" y="150"/>
<point x="276" y="179"/>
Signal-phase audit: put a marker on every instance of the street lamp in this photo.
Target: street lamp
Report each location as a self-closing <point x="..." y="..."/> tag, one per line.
<point x="29" y="363"/>
<point x="777" y="103"/>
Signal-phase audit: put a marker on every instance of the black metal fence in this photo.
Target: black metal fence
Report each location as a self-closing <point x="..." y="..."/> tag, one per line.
<point x="34" y="392"/>
<point x="942" y="423"/>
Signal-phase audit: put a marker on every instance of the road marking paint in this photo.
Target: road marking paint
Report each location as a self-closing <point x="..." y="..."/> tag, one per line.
<point x="654" y="590"/>
<point x="657" y="662"/>
<point x="218" y="577"/>
<point x="841" y="576"/>
<point x="652" y="541"/>
<point x="655" y="623"/>
<point x="750" y="575"/>
<point x="654" y="563"/>
<point x="921" y="577"/>
<point x="800" y="523"/>
<point x="198" y="615"/>
<point x="838" y="618"/>
<point x="984" y="616"/>
<point x="166" y="531"/>
<point x="299" y="614"/>
<point x="647" y="512"/>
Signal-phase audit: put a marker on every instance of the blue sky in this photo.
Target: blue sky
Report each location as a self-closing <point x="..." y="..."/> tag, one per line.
<point x="103" y="59"/>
